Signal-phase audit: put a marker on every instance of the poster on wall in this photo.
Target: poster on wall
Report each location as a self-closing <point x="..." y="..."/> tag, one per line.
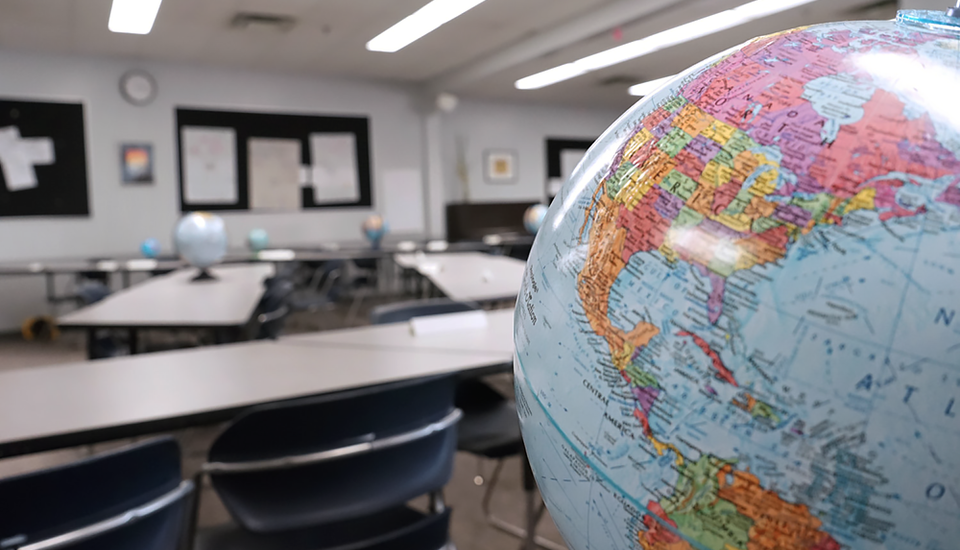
<point x="43" y="160"/>
<point x="274" y="173"/>
<point x="334" y="169"/>
<point x="232" y="160"/>
<point x="136" y="163"/>
<point x="562" y="156"/>
<point x="209" y="165"/>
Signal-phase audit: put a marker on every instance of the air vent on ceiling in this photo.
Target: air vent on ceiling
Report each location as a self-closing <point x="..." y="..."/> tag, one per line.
<point x="619" y="80"/>
<point x="248" y="20"/>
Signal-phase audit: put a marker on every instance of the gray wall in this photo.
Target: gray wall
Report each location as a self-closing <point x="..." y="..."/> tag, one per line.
<point x="476" y="126"/>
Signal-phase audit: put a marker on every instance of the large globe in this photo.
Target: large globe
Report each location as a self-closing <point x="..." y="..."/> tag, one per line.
<point x="738" y="326"/>
<point x="201" y="239"/>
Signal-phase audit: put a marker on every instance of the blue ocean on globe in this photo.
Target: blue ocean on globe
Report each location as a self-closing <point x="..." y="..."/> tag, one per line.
<point x="533" y="218"/>
<point x="738" y="324"/>
<point x="258" y="239"/>
<point x="150" y="248"/>
<point x="201" y="239"/>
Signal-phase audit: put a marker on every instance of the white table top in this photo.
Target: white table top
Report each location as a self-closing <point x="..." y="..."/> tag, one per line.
<point x="65" y="400"/>
<point x="174" y="301"/>
<point x="495" y="339"/>
<point x="468" y="276"/>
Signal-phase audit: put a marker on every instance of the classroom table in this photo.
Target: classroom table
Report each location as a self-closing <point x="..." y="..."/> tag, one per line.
<point x="468" y="276"/>
<point x="50" y="269"/>
<point x="495" y="337"/>
<point x="45" y="408"/>
<point x="174" y="301"/>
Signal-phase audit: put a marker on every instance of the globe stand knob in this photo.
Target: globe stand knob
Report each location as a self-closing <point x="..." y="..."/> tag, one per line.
<point x="204" y="275"/>
<point x="954" y="11"/>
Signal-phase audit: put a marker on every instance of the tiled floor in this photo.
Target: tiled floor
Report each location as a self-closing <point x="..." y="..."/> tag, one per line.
<point x="469" y="530"/>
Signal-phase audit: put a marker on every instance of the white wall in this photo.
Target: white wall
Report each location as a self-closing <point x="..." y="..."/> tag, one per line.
<point x="481" y="125"/>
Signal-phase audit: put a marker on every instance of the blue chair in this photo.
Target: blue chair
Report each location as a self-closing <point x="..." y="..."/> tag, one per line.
<point x="131" y="498"/>
<point x="490" y="427"/>
<point x="337" y="471"/>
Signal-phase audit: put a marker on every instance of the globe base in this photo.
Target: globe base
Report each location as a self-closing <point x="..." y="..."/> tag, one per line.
<point x="204" y="275"/>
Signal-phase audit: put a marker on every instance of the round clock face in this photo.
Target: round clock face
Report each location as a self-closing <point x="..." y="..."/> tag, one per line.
<point x="138" y="87"/>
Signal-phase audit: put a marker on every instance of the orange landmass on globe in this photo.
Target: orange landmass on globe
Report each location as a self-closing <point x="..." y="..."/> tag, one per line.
<point x="776" y="524"/>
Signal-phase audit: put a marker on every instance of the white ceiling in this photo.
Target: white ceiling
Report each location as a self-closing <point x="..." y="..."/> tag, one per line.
<point x="329" y="38"/>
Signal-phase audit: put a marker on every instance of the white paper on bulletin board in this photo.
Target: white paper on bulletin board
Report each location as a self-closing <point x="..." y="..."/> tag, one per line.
<point x="402" y="200"/>
<point x="274" y="173"/>
<point x="335" y="178"/>
<point x="209" y="165"/>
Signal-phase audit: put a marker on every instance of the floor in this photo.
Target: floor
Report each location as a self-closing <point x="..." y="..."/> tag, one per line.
<point x="469" y="530"/>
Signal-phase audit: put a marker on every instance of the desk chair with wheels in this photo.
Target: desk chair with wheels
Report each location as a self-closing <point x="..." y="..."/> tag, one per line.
<point x="131" y="498"/>
<point x="337" y="471"/>
<point x="489" y="428"/>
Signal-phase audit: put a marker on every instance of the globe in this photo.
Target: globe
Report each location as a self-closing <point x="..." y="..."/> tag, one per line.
<point x="738" y="325"/>
<point x="201" y="239"/>
<point x="258" y="239"/>
<point x="533" y="218"/>
<point x="150" y="248"/>
<point x="374" y="228"/>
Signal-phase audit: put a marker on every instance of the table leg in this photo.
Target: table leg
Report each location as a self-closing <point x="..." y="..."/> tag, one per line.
<point x="91" y="339"/>
<point x="51" y="288"/>
<point x="125" y="279"/>
<point x="530" y="491"/>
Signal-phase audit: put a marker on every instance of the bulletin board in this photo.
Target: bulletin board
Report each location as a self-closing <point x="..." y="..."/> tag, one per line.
<point x="43" y="159"/>
<point x="272" y="162"/>
<point x="562" y="156"/>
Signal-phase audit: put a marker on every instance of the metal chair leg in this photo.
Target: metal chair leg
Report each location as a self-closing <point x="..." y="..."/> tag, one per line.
<point x="534" y="513"/>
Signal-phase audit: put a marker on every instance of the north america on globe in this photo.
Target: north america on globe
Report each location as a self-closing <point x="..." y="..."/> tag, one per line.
<point x="737" y="323"/>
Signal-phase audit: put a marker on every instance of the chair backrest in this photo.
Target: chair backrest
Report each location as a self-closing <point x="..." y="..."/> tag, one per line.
<point x="130" y="498"/>
<point x="404" y="311"/>
<point x="317" y="461"/>
<point x="274" y="307"/>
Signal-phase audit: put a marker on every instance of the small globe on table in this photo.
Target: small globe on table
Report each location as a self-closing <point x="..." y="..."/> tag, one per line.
<point x="374" y="228"/>
<point x="150" y="248"/>
<point x="258" y="240"/>
<point x="201" y="240"/>
<point x="737" y="325"/>
<point x="533" y="218"/>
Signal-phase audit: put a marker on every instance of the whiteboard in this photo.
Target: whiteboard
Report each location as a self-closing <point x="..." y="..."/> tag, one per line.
<point x="334" y="168"/>
<point x="209" y="165"/>
<point x="274" y="173"/>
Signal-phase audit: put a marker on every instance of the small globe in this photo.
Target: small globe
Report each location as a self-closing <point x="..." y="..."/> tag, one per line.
<point x="374" y="228"/>
<point x="201" y="239"/>
<point x="150" y="248"/>
<point x="258" y="239"/>
<point x="738" y="325"/>
<point x="533" y="218"/>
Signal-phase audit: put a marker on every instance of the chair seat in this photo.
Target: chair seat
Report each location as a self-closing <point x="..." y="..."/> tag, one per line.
<point x="395" y="529"/>
<point x="492" y="432"/>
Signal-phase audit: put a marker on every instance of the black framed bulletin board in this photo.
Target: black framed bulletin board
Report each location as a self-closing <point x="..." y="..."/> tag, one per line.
<point x="232" y="160"/>
<point x="562" y="155"/>
<point x="43" y="159"/>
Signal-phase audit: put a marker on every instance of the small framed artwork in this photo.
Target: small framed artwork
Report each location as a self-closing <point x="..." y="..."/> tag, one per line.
<point x="500" y="166"/>
<point x="136" y="163"/>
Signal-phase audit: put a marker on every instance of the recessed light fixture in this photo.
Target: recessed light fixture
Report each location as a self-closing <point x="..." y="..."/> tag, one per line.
<point x="646" y="88"/>
<point x="133" y="16"/>
<point x="419" y="24"/>
<point x="662" y="40"/>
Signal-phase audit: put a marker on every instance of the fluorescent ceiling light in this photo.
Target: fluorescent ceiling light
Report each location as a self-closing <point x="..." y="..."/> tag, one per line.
<point x="419" y="24"/>
<point x="646" y="88"/>
<point x="133" y="16"/>
<point x="660" y="41"/>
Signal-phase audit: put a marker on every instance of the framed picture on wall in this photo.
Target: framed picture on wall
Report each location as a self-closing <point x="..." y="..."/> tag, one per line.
<point x="136" y="163"/>
<point x="500" y="166"/>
